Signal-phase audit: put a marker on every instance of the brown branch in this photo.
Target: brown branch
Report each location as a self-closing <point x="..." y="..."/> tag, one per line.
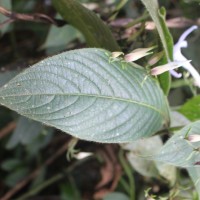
<point x="36" y="17"/>
<point x="35" y="173"/>
<point x="6" y="130"/>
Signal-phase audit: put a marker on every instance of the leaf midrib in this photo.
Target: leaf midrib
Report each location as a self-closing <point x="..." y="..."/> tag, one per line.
<point x="93" y="95"/>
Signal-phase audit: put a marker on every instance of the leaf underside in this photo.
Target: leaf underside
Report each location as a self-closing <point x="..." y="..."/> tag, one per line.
<point x="81" y="93"/>
<point x="179" y="151"/>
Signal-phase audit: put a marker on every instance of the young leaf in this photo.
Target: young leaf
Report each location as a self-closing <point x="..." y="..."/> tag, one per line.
<point x="158" y="16"/>
<point x="96" y="33"/>
<point x="180" y="150"/>
<point x="85" y="95"/>
<point x="191" y="109"/>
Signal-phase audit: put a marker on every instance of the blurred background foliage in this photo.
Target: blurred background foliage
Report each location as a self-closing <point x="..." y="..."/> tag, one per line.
<point x="33" y="161"/>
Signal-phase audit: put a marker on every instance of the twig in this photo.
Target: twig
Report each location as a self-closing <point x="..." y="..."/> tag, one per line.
<point x="36" y="17"/>
<point x="24" y="182"/>
<point x="6" y="130"/>
<point x="8" y="21"/>
<point x="53" y="180"/>
<point x="40" y="187"/>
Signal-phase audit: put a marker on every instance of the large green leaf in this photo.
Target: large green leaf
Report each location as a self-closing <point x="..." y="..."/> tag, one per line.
<point x="83" y="94"/>
<point x="96" y="33"/>
<point x="191" y="109"/>
<point x="158" y="16"/>
<point x="179" y="151"/>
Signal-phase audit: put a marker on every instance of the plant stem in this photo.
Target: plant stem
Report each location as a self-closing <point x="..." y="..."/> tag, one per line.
<point x="45" y="184"/>
<point x="144" y="17"/>
<point x="128" y="171"/>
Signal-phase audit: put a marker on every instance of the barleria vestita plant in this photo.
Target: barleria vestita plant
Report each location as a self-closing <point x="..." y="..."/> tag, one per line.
<point x="107" y="94"/>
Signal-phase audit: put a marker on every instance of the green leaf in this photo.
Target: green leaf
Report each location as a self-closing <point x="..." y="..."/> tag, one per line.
<point x="177" y="119"/>
<point x="145" y="167"/>
<point x="194" y="173"/>
<point x="83" y="94"/>
<point x="59" y="37"/>
<point x="158" y="16"/>
<point x="179" y="151"/>
<point x="116" y="196"/>
<point x="25" y="132"/>
<point x="143" y="147"/>
<point x="191" y="109"/>
<point x="10" y="164"/>
<point x="96" y="32"/>
<point x="6" y="76"/>
<point x="15" y="176"/>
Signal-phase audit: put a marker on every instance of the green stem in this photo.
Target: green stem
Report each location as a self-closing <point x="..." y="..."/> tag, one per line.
<point x="124" y="184"/>
<point x="45" y="184"/>
<point x="128" y="171"/>
<point x="144" y="17"/>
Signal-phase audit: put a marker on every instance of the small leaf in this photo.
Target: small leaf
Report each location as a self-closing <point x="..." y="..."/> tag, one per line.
<point x="59" y="37"/>
<point x="96" y="32"/>
<point x="191" y="109"/>
<point x="179" y="151"/>
<point x="83" y="94"/>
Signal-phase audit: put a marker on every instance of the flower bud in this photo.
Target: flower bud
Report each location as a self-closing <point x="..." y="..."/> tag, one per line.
<point x="169" y="66"/>
<point x="193" y="138"/>
<point x="137" y="54"/>
<point x="116" y="54"/>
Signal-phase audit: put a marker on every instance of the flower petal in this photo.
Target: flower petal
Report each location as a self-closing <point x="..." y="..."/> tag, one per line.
<point x="175" y="74"/>
<point x="194" y="138"/>
<point x="137" y="54"/>
<point x="169" y="66"/>
<point x="178" y="56"/>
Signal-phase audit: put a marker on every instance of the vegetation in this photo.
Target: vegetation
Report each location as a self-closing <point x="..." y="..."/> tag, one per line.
<point x="99" y="100"/>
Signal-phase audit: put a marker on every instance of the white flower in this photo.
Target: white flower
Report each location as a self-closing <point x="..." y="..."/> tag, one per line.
<point x="179" y="60"/>
<point x="194" y="138"/>
<point x="178" y="56"/>
<point x="169" y="66"/>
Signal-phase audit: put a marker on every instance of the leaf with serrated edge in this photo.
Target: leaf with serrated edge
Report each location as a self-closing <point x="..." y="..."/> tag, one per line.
<point x="81" y="93"/>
